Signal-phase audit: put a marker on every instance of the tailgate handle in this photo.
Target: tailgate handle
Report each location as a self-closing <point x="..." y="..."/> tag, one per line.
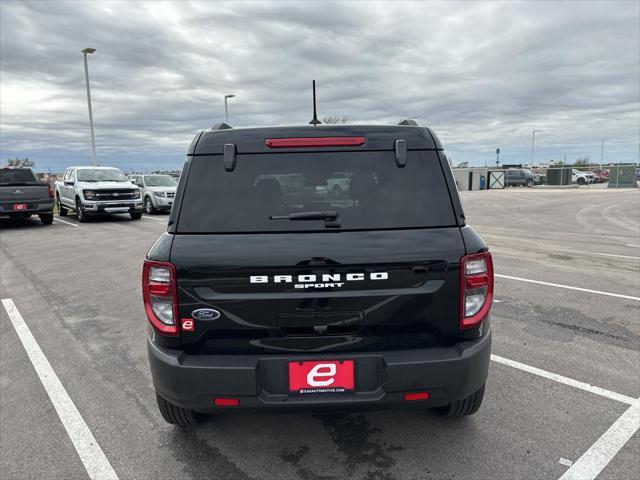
<point x="229" y="157"/>
<point x="321" y="320"/>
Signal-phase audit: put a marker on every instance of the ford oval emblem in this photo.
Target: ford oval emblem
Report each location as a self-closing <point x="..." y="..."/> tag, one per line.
<point x="205" y="314"/>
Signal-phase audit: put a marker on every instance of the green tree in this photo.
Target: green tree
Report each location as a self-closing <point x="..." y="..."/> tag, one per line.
<point x="335" y="120"/>
<point x="582" y="162"/>
<point x="21" y="162"/>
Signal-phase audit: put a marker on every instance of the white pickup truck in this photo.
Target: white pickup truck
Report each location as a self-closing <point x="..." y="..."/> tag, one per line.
<point x="582" y="178"/>
<point x="93" y="190"/>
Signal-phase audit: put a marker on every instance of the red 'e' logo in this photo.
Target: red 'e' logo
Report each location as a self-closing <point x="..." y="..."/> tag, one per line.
<point x="188" y="325"/>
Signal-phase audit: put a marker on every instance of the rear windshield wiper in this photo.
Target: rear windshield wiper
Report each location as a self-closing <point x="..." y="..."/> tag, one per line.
<point x="331" y="218"/>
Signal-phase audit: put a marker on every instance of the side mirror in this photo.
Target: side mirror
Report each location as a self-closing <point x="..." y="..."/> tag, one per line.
<point x="69" y="182"/>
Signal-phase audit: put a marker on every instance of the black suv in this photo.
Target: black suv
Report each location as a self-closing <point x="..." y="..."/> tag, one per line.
<point x="270" y="290"/>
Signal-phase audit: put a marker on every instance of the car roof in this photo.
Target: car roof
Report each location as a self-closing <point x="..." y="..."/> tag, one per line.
<point x="252" y="140"/>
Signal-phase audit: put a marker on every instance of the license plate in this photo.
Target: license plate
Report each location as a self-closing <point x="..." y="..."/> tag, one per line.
<point x="19" y="206"/>
<point x="326" y="376"/>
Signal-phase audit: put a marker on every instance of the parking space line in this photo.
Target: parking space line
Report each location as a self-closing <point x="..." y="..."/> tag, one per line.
<point x="154" y="218"/>
<point x="568" y="287"/>
<point x="577" y="252"/>
<point x="565" y="380"/>
<point x="56" y="219"/>
<point x="598" y="456"/>
<point x="632" y="245"/>
<point x="91" y="455"/>
<point x="619" y="256"/>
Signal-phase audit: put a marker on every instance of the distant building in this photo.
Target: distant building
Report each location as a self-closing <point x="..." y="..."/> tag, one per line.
<point x="474" y="178"/>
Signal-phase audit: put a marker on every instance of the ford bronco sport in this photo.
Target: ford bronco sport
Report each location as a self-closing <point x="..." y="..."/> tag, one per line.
<point x="270" y="290"/>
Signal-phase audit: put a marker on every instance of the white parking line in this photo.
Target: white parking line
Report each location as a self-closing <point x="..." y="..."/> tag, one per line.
<point x="578" y="252"/>
<point x="154" y="218"/>
<point x="92" y="456"/>
<point x="56" y="219"/>
<point x="619" y="256"/>
<point x="632" y="245"/>
<point x="598" y="456"/>
<point x="565" y="380"/>
<point x="568" y="287"/>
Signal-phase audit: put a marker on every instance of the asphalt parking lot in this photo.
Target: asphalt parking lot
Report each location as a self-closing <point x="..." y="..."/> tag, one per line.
<point x="561" y="400"/>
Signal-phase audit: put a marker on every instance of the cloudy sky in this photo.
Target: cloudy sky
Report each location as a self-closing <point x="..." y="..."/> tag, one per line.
<point x="482" y="74"/>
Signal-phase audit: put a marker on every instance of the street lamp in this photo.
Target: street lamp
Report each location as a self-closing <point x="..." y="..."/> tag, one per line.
<point x="226" y="110"/>
<point x="89" y="51"/>
<point x="533" y="142"/>
<point x="602" y="153"/>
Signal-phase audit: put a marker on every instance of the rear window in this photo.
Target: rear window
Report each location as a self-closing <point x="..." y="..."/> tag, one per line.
<point x="366" y="189"/>
<point x="17" y="175"/>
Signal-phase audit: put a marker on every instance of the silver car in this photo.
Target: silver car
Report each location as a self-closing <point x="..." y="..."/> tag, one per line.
<point x="158" y="191"/>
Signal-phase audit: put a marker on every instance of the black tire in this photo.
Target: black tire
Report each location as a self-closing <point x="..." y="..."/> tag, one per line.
<point x="176" y="415"/>
<point x="136" y="215"/>
<point x="46" y="218"/>
<point x="82" y="216"/>
<point x="148" y="206"/>
<point x="581" y="181"/>
<point x="464" y="407"/>
<point x="61" y="210"/>
<point x="529" y="183"/>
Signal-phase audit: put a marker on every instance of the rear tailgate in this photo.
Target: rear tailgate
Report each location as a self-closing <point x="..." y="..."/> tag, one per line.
<point x="24" y="192"/>
<point x="344" y="292"/>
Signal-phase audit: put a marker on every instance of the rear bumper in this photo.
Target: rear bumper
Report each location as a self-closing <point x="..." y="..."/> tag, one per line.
<point x="448" y="374"/>
<point x="40" y="206"/>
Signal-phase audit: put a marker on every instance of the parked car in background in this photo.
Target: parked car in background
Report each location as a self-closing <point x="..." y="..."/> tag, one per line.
<point x="94" y="190"/>
<point x="23" y="195"/>
<point x="582" y="178"/>
<point x="602" y="176"/>
<point x="514" y="177"/>
<point x="158" y="191"/>
<point x="539" y="177"/>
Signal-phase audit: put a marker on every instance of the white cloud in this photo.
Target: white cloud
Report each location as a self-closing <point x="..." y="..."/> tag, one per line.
<point x="481" y="74"/>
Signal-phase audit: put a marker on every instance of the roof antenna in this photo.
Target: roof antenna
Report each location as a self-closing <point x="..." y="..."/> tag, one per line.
<point x="315" y="120"/>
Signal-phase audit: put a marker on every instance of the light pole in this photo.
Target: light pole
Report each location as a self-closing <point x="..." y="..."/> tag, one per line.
<point x="88" y="51"/>
<point x="533" y="143"/>
<point x="226" y="110"/>
<point x="601" y="154"/>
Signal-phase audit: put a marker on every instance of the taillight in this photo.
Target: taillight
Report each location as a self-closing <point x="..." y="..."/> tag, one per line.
<point x="226" y="402"/>
<point x="50" y="190"/>
<point x="308" y="142"/>
<point x="476" y="288"/>
<point x="160" y="296"/>
<point x="416" y="396"/>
